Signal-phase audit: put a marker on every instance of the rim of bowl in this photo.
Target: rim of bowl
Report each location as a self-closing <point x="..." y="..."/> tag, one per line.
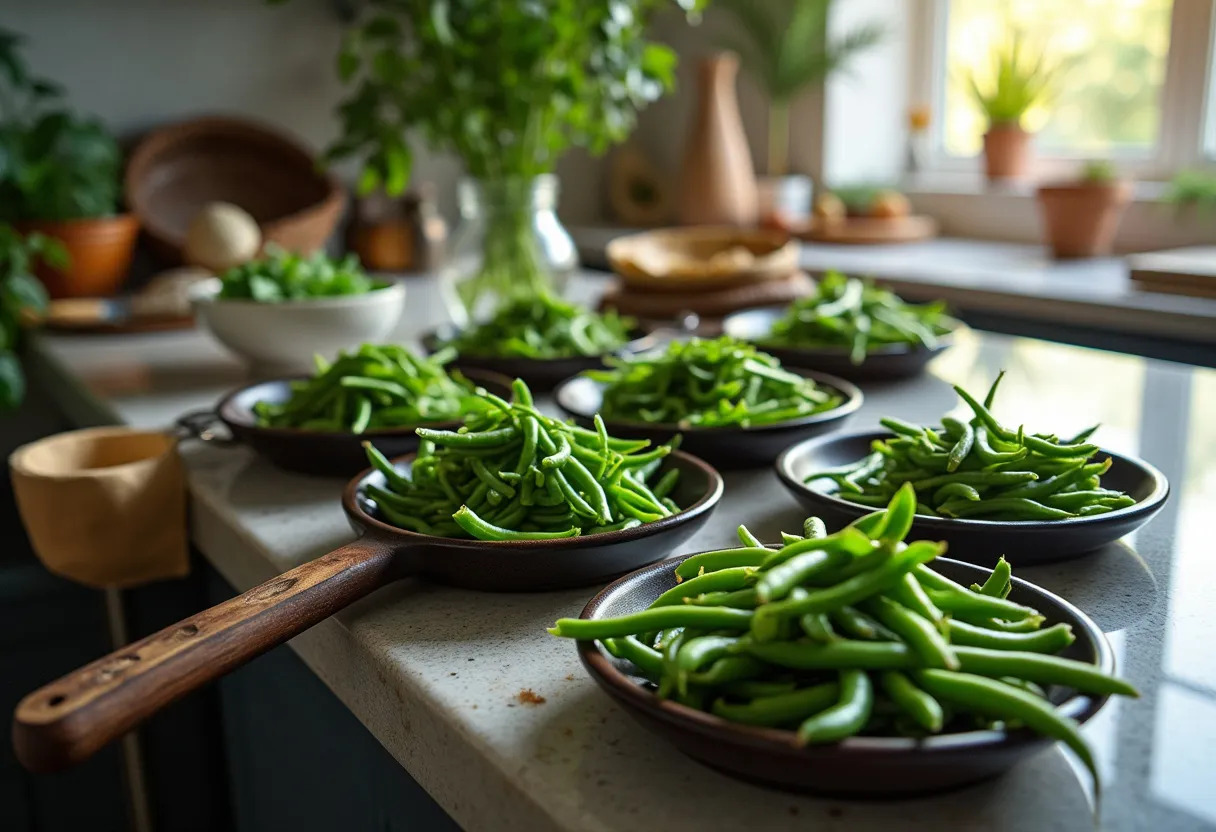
<point x="704" y="503"/>
<point x="854" y="398"/>
<point x="1079" y="706"/>
<point x="228" y="403"/>
<point x="1161" y="490"/>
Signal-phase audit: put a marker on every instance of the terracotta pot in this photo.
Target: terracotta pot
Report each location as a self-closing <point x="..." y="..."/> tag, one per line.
<point x="1006" y="152"/>
<point x="718" y="182"/>
<point x="1081" y="218"/>
<point x="100" y="249"/>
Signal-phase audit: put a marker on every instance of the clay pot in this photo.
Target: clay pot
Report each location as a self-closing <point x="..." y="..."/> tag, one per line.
<point x="100" y="249"/>
<point x="718" y="181"/>
<point x="1006" y="152"/>
<point x="1081" y="218"/>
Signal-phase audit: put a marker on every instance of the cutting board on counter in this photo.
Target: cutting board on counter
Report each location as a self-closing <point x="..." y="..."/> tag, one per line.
<point x="1179" y="271"/>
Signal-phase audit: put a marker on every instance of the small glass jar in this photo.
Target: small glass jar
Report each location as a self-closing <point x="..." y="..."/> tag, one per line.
<point x="509" y="242"/>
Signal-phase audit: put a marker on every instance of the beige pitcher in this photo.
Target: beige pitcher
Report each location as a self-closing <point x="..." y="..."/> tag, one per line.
<point x="718" y="182"/>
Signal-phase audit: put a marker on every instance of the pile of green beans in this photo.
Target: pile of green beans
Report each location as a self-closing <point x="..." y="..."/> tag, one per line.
<point x="854" y="314"/>
<point x="707" y="384"/>
<point x="981" y="469"/>
<point x="372" y="388"/>
<point x="512" y="473"/>
<point x="851" y="633"/>
<point x="543" y="326"/>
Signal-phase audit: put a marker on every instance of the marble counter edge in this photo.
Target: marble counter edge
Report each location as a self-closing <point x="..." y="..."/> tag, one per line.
<point x="334" y="651"/>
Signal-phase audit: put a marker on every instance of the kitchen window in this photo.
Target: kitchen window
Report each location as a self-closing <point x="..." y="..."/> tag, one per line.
<point x="1135" y="79"/>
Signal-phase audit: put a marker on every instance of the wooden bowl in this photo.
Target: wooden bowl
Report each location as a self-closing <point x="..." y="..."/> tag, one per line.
<point x="685" y="259"/>
<point x="178" y="169"/>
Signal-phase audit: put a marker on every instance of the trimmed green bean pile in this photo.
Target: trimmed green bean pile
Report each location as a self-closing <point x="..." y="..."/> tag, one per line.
<point x="283" y="275"/>
<point x="512" y="473"/>
<point x="981" y="469"/>
<point x="852" y="313"/>
<point x="543" y="326"/>
<point x="372" y="388"/>
<point x="851" y="633"/>
<point x="707" y="384"/>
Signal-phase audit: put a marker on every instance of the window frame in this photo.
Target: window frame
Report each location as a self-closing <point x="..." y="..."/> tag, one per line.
<point x="1187" y="135"/>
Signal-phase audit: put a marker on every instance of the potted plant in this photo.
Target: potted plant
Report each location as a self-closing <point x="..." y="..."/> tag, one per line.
<point x="60" y="178"/>
<point x="1195" y="189"/>
<point x="1017" y="80"/>
<point x="21" y="295"/>
<point x="508" y="88"/>
<point x="1081" y="217"/>
<point x="785" y="46"/>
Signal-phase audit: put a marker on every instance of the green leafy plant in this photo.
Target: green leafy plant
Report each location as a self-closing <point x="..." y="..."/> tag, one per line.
<point x="1195" y="188"/>
<point x="53" y="165"/>
<point x="283" y="275"/>
<point x="506" y="87"/>
<point x="1099" y="172"/>
<point x="21" y="294"/>
<point x="785" y="45"/>
<point x="1020" y="78"/>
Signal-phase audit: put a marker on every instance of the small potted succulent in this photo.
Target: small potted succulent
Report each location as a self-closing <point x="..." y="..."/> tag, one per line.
<point x="1018" y="80"/>
<point x="21" y="297"/>
<point x="785" y="46"/>
<point x="60" y="178"/>
<point x="1082" y="216"/>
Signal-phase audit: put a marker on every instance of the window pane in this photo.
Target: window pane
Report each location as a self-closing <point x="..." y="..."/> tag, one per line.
<point x="1108" y="99"/>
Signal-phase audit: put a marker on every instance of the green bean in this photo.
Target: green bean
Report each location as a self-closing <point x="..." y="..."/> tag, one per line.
<point x="1047" y="670"/>
<point x="1018" y="508"/>
<point x="834" y="655"/>
<point x="813" y="528"/>
<point x="955" y="490"/>
<point x="856" y="624"/>
<point x="721" y="580"/>
<point x="965" y="602"/>
<point x="918" y="633"/>
<point x="747" y="538"/>
<point x="963" y="446"/>
<point x="910" y="593"/>
<point x="758" y="688"/>
<point x="818" y="627"/>
<point x="457" y="439"/>
<point x="916" y="703"/>
<point x="997" y="699"/>
<point x="847" y="717"/>
<point x="468" y="520"/>
<point x="779" y="709"/>
<point x="717" y="618"/>
<point x="726" y="670"/>
<point x="778" y="580"/>
<point x="722" y="559"/>
<point x="646" y="659"/>
<point x="1050" y="640"/>
<point x="998" y="582"/>
<point x="697" y="652"/>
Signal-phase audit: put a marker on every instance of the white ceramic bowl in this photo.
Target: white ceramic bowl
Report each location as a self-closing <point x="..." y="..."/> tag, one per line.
<point x="284" y="336"/>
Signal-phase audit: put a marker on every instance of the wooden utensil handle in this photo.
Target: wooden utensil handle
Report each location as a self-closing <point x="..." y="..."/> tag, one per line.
<point x="68" y="720"/>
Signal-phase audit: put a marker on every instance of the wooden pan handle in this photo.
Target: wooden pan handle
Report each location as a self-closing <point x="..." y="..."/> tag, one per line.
<point x="67" y="721"/>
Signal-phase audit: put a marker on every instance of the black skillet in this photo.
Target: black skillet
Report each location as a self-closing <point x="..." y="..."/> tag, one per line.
<point x="726" y="447"/>
<point x="862" y="766"/>
<point x="68" y="720"/>
<point x="325" y="453"/>
<point x="887" y="361"/>
<point x="981" y="541"/>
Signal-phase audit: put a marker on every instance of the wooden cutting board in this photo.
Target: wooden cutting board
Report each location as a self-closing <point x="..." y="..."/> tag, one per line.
<point x="1181" y="271"/>
<point x="871" y="230"/>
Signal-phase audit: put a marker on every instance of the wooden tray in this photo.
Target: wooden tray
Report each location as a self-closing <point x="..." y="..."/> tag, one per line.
<point x="107" y="315"/>
<point x="871" y="230"/>
<point x="1180" y="271"/>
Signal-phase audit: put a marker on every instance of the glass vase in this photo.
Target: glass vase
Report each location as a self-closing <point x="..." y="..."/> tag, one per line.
<point x="509" y="243"/>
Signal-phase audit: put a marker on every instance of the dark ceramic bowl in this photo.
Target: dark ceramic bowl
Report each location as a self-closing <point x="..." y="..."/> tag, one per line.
<point x="726" y="447"/>
<point x="882" y="362"/>
<point x="981" y="541"/>
<point x="541" y="374"/>
<point x="326" y="453"/>
<point x="539" y="565"/>
<point x="861" y="766"/>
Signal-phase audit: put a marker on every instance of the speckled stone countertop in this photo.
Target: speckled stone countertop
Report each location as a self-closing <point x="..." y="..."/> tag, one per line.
<point x="435" y="673"/>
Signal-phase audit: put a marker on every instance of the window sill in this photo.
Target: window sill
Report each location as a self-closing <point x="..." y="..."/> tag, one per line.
<point x="958" y="184"/>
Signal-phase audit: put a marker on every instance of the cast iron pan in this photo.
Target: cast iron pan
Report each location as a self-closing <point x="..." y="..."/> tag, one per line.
<point x="881" y="362"/>
<point x="541" y="374"/>
<point x="727" y="447"/>
<point x="981" y="541"/>
<point x="861" y="766"/>
<point x="68" y="720"/>
<point x="327" y="453"/>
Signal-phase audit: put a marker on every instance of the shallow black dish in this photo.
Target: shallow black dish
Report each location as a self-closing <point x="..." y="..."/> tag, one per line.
<point x="726" y="447"/>
<point x="981" y="541"/>
<point x="541" y="374"/>
<point x="869" y="766"/>
<point x="881" y="362"/>
<point x="535" y="565"/>
<point x="325" y="453"/>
